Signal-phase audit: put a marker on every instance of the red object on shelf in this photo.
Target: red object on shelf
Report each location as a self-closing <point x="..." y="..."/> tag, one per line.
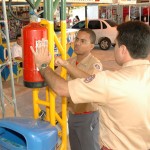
<point x="145" y="11"/>
<point x="32" y="35"/>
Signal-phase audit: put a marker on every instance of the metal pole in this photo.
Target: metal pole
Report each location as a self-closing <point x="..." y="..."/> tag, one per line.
<point x="140" y="14"/>
<point x="9" y="57"/>
<point x="56" y="2"/>
<point x="2" y="96"/>
<point x="86" y="17"/>
<point x="148" y="14"/>
<point x="37" y="3"/>
<point x="50" y="10"/>
<point x="129" y="12"/>
<point x="64" y="56"/>
<point x="45" y="9"/>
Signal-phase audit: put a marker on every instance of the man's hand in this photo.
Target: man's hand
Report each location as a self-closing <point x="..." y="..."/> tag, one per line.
<point x="60" y="61"/>
<point x="41" y="56"/>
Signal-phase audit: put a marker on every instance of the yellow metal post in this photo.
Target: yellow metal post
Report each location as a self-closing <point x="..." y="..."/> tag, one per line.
<point x="64" y="99"/>
<point x="35" y="104"/>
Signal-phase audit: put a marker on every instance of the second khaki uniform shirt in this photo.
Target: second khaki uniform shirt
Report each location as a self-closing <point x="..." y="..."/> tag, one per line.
<point x="90" y="65"/>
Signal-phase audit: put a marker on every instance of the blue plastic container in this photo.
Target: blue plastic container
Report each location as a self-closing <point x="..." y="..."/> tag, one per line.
<point x="27" y="134"/>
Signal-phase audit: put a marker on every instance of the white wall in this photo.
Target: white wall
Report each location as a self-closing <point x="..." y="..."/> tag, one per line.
<point x="79" y="12"/>
<point x="92" y="12"/>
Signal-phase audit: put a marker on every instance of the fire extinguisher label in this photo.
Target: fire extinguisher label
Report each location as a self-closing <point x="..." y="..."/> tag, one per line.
<point x="39" y="44"/>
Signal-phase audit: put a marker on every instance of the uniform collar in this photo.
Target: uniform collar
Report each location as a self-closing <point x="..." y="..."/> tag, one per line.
<point x="136" y="62"/>
<point x="85" y="60"/>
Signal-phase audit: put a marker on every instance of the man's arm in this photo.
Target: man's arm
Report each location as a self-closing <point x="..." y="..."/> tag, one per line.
<point x="15" y="53"/>
<point x="54" y="81"/>
<point x="73" y="71"/>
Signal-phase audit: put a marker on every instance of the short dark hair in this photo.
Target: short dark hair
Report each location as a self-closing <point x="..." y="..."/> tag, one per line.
<point x="135" y="35"/>
<point x="18" y="35"/>
<point x="91" y="33"/>
<point x="77" y="17"/>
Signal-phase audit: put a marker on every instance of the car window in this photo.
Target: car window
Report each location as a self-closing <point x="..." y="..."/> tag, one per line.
<point x="111" y="23"/>
<point x="104" y="26"/>
<point x="79" y="25"/>
<point x="94" y="24"/>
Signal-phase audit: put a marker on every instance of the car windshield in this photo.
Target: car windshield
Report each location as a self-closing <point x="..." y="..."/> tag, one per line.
<point x="79" y="25"/>
<point x="111" y="23"/>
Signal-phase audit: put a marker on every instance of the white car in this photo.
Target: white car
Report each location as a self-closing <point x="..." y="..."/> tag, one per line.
<point x="104" y="29"/>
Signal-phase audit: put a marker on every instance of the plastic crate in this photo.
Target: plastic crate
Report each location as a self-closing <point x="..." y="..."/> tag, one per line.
<point x="27" y="134"/>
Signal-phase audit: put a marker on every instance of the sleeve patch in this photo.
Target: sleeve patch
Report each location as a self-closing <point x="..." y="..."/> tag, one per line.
<point x="97" y="66"/>
<point x="89" y="79"/>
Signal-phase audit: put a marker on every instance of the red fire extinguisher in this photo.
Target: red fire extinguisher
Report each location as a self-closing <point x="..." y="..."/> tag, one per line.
<point x="32" y="34"/>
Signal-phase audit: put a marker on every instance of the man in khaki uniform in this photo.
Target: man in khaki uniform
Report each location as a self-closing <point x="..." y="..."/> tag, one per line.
<point x="83" y="118"/>
<point x="123" y="95"/>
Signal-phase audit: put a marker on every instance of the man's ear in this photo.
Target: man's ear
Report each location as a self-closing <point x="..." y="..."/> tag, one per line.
<point x="92" y="46"/>
<point x="124" y="50"/>
<point x="125" y="53"/>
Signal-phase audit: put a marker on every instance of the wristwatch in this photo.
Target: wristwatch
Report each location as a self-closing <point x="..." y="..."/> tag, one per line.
<point x="43" y="66"/>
